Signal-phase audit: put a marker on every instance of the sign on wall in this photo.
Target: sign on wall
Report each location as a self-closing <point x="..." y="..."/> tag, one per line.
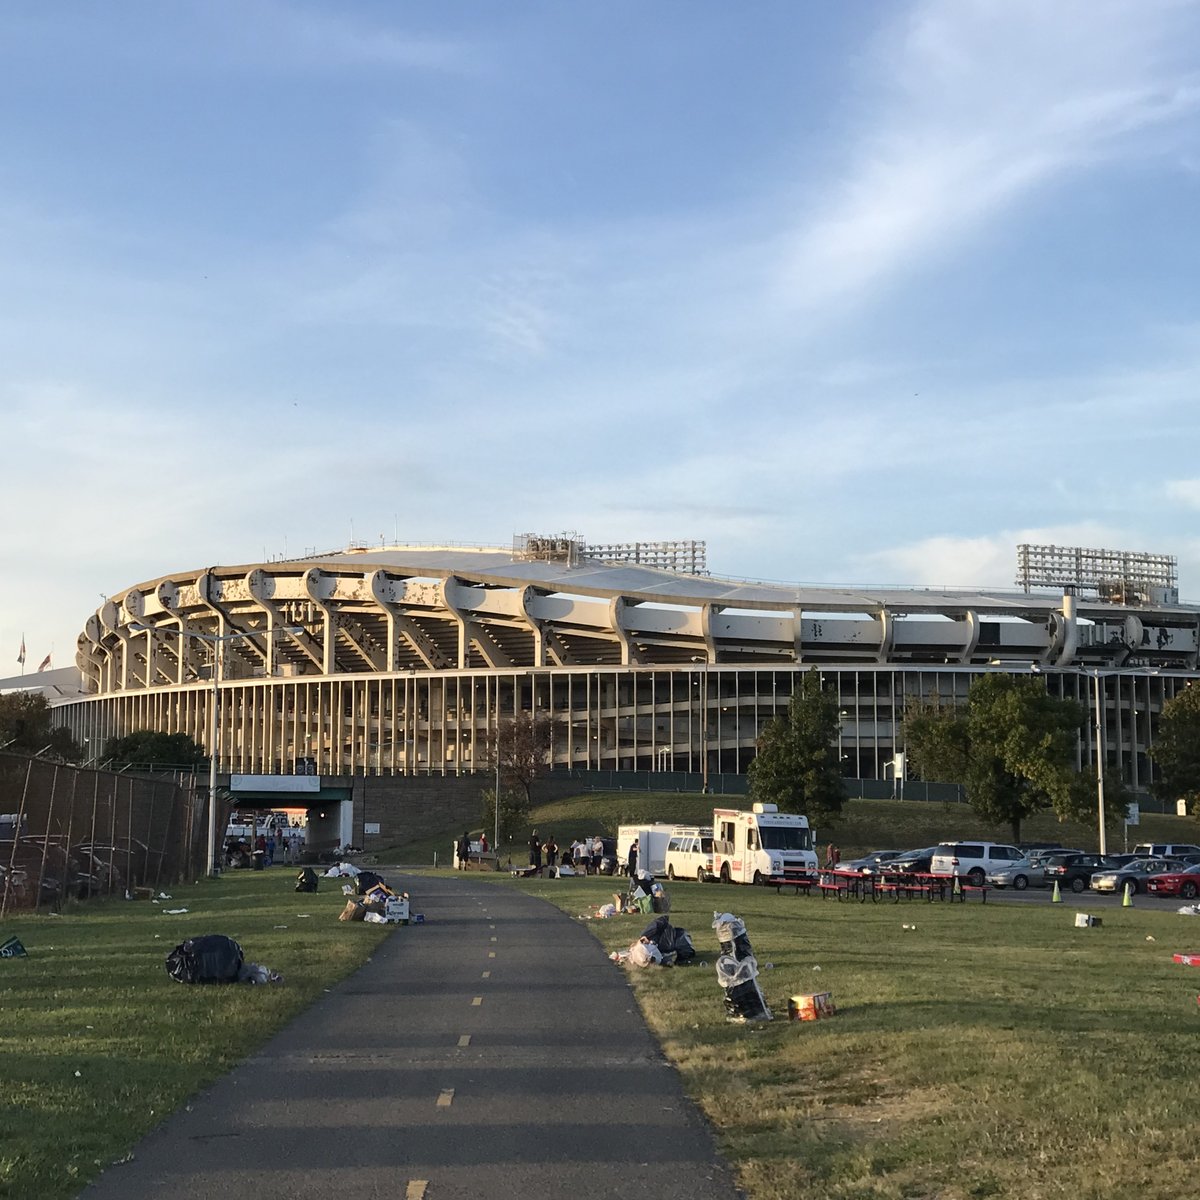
<point x="274" y="783"/>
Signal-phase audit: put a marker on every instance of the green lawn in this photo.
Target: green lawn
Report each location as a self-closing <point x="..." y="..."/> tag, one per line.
<point x="863" y="825"/>
<point x="99" y="1043"/>
<point x="992" y="1050"/>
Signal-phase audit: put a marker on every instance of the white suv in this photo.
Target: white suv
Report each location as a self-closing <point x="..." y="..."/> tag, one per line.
<point x="1165" y="849"/>
<point x="973" y="861"/>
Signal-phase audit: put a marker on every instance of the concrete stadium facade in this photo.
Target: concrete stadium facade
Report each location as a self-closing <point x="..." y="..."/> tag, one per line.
<point x="399" y="661"/>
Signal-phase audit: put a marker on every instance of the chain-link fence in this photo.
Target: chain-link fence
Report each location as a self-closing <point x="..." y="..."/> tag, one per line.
<point x="70" y="833"/>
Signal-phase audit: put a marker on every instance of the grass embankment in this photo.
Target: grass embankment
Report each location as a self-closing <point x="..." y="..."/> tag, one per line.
<point x="99" y="1043"/>
<point x="863" y="825"/>
<point x="992" y="1050"/>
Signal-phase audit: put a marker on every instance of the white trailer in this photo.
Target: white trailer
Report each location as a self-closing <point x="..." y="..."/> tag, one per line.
<point x="652" y="843"/>
<point x="762" y="846"/>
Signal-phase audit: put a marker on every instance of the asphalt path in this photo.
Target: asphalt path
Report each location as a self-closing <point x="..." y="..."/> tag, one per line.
<point x="1088" y="899"/>
<point x="493" y="1051"/>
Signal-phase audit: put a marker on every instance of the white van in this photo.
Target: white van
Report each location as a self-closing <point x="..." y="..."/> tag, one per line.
<point x="1165" y="849"/>
<point x="973" y="861"/>
<point x="690" y="853"/>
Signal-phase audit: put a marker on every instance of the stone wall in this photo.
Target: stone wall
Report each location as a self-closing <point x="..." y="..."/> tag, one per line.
<point x="408" y="808"/>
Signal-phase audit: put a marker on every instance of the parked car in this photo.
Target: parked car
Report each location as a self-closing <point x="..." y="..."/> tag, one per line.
<point x="911" y="862"/>
<point x="608" y="860"/>
<point x="1075" y="871"/>
<point x="1165" y="849"/>
<point x="870" y="863"/>
<point x="1019" y="875"/>
<point x="1135" y="873"/>
<point x="1183" y="881"/>
<point x="973" y="860"/>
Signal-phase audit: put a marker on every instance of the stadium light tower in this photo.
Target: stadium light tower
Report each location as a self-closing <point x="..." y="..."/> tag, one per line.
<point x="215" y="640"/>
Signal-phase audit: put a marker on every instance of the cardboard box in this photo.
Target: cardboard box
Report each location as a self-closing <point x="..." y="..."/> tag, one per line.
<point x="811" y="1006"/>
<point x="1086" y="921"/>
<point x="395" y="908"/>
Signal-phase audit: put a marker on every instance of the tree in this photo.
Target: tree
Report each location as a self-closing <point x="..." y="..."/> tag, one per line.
<point x="150" y="748"/>
<point x="523" y="743"/>
<point x="1012" y="748"/>
<point x="1176" y="749"/>
<point x="25" y="726"/>
<point x="513" y="811"/>
<point x="797" y="767"/>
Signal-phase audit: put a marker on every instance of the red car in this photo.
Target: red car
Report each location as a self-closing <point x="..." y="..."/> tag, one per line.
<point x="1185" y="882"/>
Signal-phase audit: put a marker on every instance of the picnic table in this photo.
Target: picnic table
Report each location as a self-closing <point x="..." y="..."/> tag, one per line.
<point x="863" y="886"/>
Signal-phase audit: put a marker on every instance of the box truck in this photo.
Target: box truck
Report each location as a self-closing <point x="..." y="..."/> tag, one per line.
<point x="762" y="845"/>
<point x="652" y="840"/>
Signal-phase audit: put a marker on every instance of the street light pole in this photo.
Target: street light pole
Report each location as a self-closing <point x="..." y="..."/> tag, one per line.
<point x="1100" y="760"/>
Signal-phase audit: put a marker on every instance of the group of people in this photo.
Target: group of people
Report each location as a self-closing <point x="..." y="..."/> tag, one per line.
<point x="582" y="856"/>
<point x="465" y="849"/>
<point x="288" y="843"/>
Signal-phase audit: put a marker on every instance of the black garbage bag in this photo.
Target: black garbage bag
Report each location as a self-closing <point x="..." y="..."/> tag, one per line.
<point x="213" y="958"/>
<point x="306" y="881"/>
<point x="662" y="933"/>
<point x="364" y="881"/>
<point x="685" y="952"/>
<point x="731" y="936"/>
<point x="745" y="1000"/>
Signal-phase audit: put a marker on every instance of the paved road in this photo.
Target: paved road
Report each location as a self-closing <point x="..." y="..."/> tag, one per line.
<point x="492" y="1052"/>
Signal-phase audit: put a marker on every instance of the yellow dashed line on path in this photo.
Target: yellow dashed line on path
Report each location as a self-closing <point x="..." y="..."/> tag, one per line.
<point x="477" y="1002"/>
<point x="464" y="1039"/>
<point x="446" y="1098"/>
<point x="416" y="1189"/>
<point x="493" y="939"/>
<point x="491" y="954"/>
<point x="487" y="974"/>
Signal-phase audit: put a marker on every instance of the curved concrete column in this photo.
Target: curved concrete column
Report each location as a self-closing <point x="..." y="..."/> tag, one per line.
<point x="1064" y="634"/>
<point x="887" y="634"/>
<point x="318" y="589"/>
<point x="972" y="640"/>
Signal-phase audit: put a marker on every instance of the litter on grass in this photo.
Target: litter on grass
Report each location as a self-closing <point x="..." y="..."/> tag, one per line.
<point x="215" y="958"/>
<point x="12" y="948"/>
<point x="737" y="971"/>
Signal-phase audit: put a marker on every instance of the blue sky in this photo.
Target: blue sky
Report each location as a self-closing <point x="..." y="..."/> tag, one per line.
<point x="859" y="293"/>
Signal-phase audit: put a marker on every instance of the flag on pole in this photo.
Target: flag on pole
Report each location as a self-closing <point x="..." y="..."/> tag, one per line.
<point x="45" y="663"/>
<point x="21" y="656"/>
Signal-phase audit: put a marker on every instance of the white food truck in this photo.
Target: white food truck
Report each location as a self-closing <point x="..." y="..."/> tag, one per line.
<point x="761" y="846"/>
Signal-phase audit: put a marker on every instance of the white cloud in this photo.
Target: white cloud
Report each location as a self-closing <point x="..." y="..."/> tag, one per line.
<point x="980" y="104"/>
<point x="1185" y="491"/>
<point x="988" y="560"/>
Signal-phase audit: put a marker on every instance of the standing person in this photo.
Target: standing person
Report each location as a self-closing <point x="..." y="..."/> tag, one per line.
<point x="535" y="852"/>
<point x="464" y="850"/>
<point x="271" y="848"/>
<point x="597" y="854"/>
<point x="483" y="843"/>
<point x="633" y="857"/>
<point x="551" y="851"/>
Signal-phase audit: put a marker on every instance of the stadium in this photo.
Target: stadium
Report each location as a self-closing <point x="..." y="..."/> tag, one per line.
<point x="395" y="663"/>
